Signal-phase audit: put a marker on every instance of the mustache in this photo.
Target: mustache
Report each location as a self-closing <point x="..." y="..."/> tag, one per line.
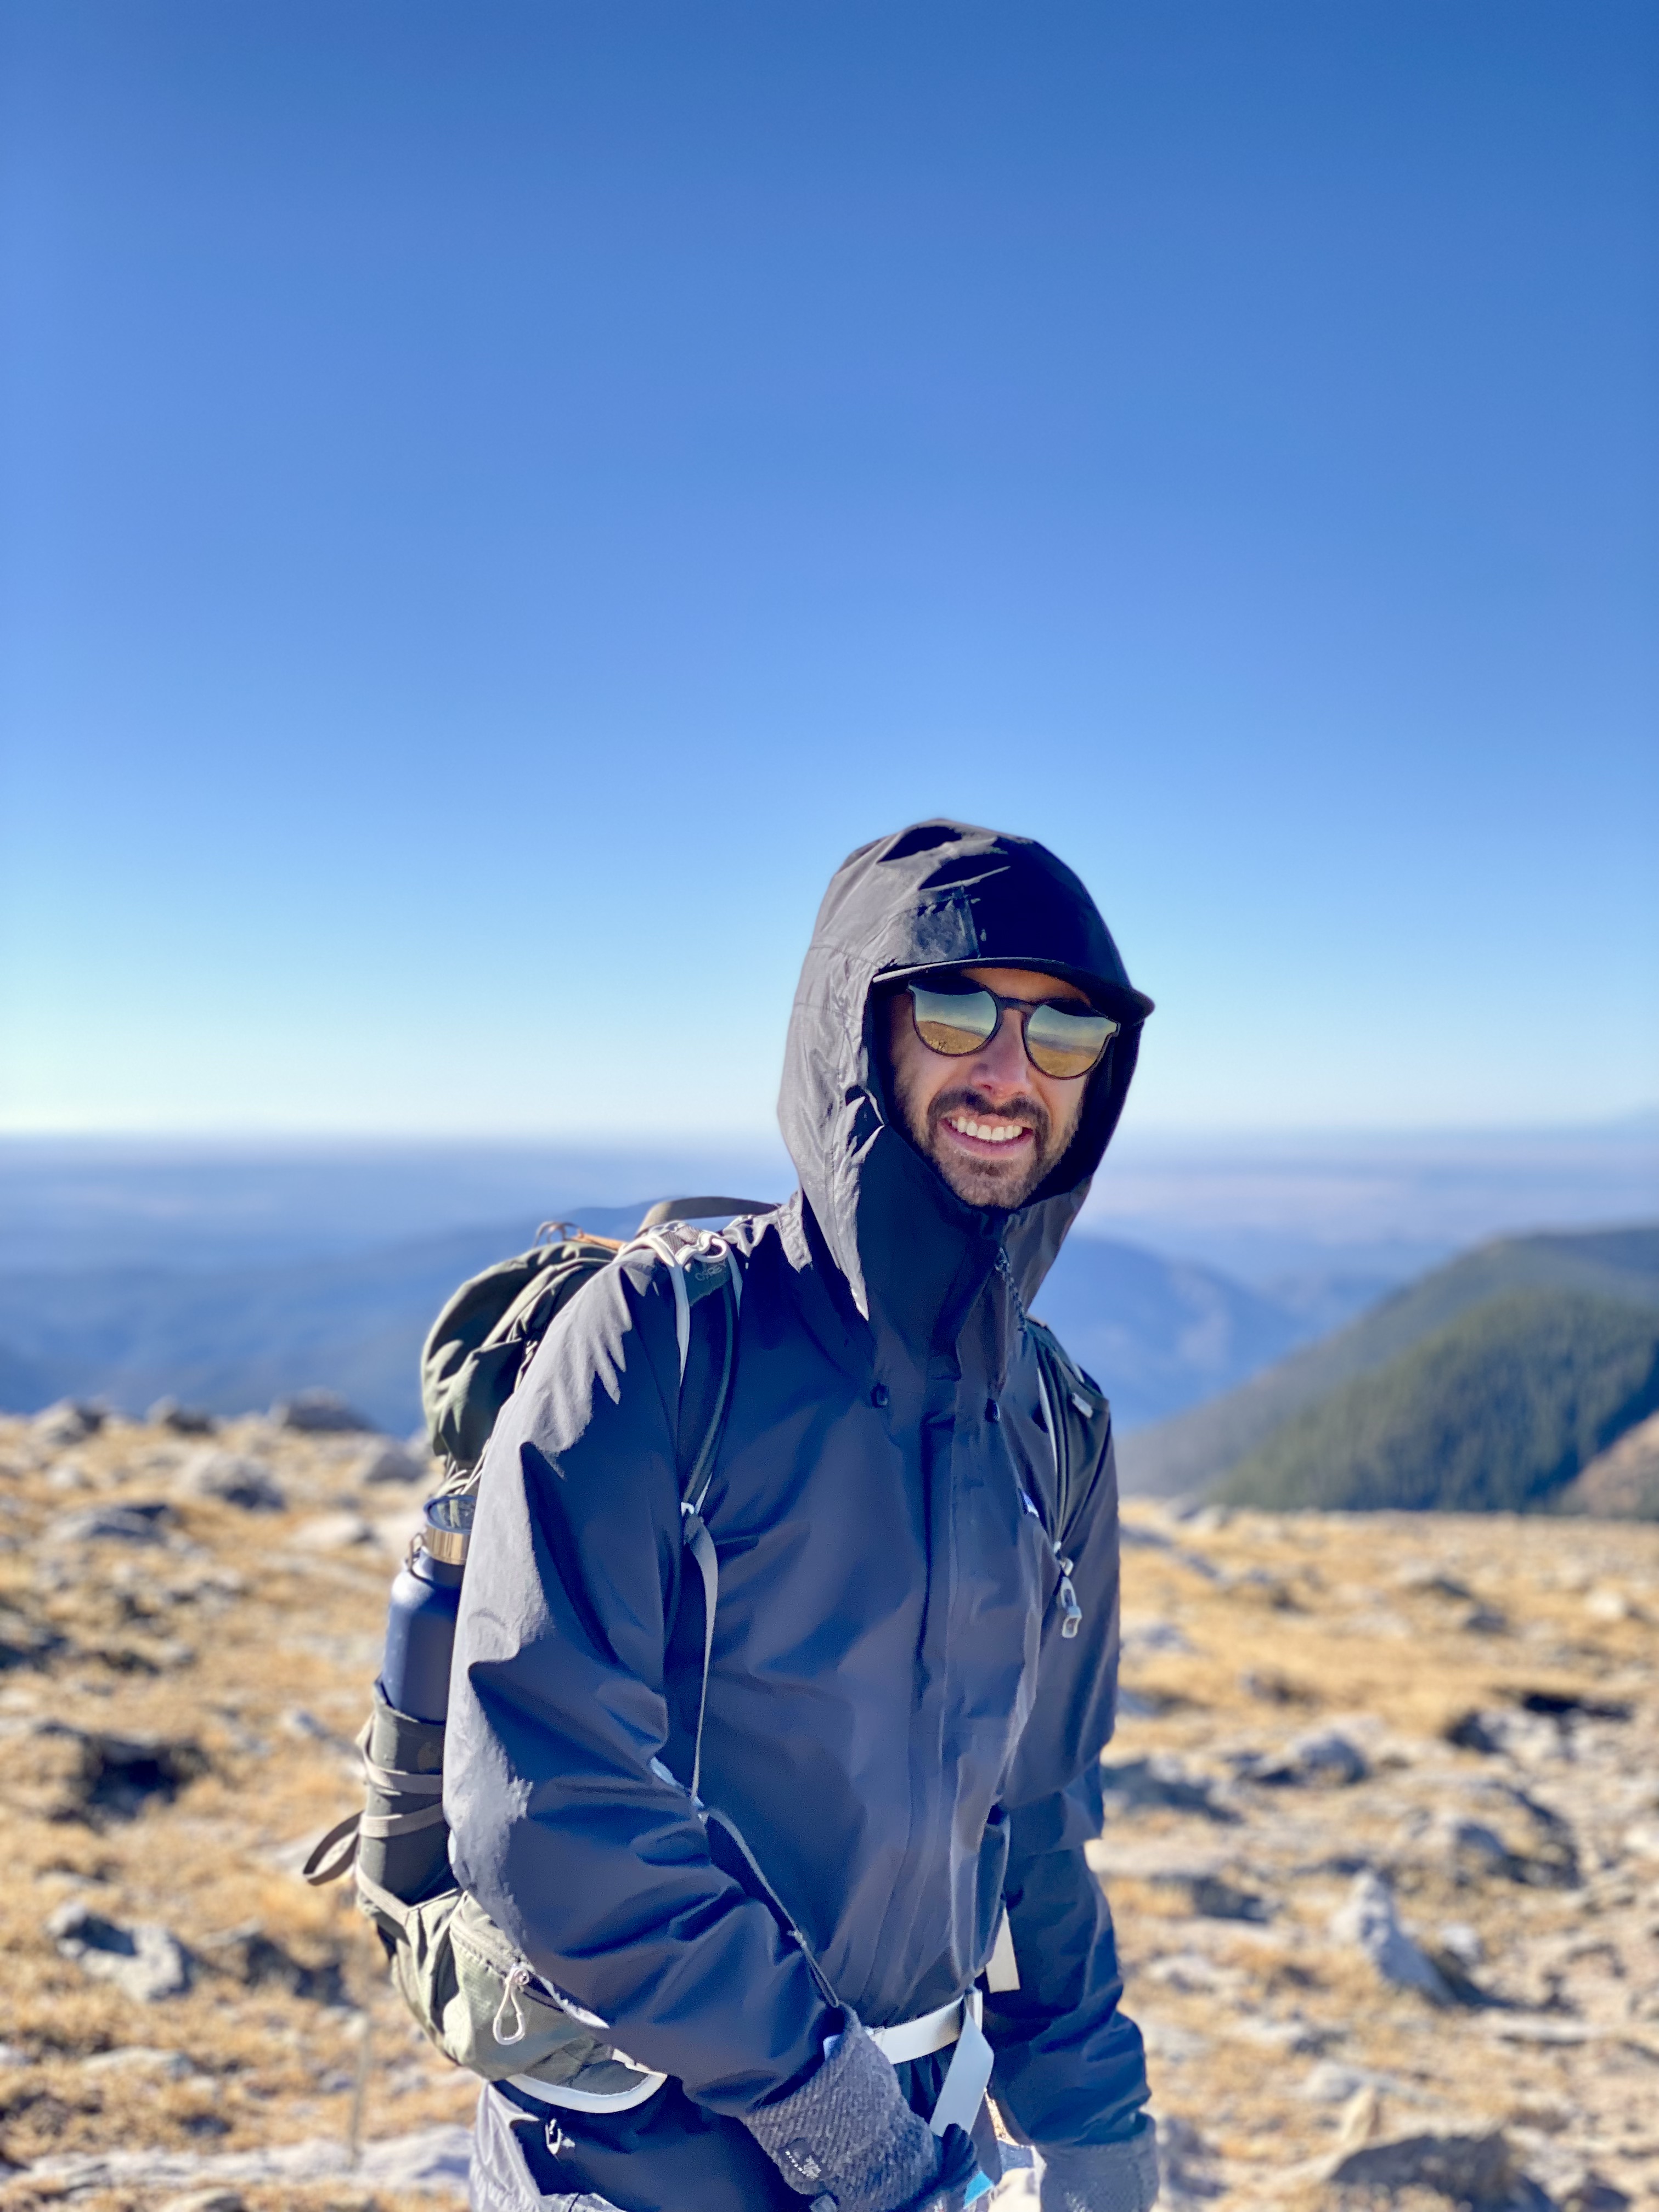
<point x="1031" y="1111"/>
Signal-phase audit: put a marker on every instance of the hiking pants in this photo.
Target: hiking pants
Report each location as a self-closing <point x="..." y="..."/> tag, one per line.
<point x="666" y="2156"/>
<point x="504" y="2145"/>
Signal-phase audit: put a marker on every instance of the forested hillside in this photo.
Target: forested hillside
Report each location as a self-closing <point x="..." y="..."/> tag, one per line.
<point x="1497" y="1411"/>
<point x="1196" y="1449"/>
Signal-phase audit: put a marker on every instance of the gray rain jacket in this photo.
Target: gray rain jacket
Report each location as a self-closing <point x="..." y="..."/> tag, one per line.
<point x="895" y="1724"/>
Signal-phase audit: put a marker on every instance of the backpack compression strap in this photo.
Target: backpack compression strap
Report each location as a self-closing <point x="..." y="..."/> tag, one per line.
<point x="707" y="1278"/>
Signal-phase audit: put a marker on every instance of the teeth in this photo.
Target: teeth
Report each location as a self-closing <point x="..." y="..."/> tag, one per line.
<point x="999" y="1132"/>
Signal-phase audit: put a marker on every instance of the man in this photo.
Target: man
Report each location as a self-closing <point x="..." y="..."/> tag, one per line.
<point x="903" y="1707"/>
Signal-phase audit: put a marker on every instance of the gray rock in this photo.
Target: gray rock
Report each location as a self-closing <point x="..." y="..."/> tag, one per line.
<point x="1459" y="1941"/>
<point x="1484" y="1620"/>
<point x="1546" y="1858"/>
<point x="332" y="1532"/>
<point x="115" y="1776"/>
<point x="1476" y="1849"/>
<point x="207" y="2200"/>
<point x="128" y="1523"/>
<point x="1147" y="1638"/>
<point x="233" y="1479"/>
<point x="1592" y="2194"/>
<point x="1194" y="1972"/>
<point x="25" y="1640"/>
<point x="436" y="2159"/>
<point x="1129" y="1786"/>
<point x="183" y="1420"/>
<point x="297" y="1721"/>
<point x="1333" y="2083"/>
<point x="248" y="1955"/>
<point x="1273" y="1688"/>
<point x="139" y="2058"/>
<point x="1212" y="1898"/>
<point x="1431" y="1580"/>
<point x="1477" y="2171"/>
<point x="1322" y="1759"/>
<point x="1369" y="1921"/>
<point x="1187" y="2162"/>
<point x="146" y="1962"/>
<point x="319" y="1412"/>
<point x="1297" y="2038"/>
<point x="1532" y="1738"/>
<point x="1165" y="2039"/>
<point x="391" y="1462"/>
<point x="69" y="1422"/>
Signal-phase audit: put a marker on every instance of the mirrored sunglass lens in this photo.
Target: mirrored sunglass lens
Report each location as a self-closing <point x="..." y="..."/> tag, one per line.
<point x="954" y="1022"/>
<point x="1066" y="1044"/>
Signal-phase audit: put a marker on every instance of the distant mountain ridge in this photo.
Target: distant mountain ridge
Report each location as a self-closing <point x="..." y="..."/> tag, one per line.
<point x="232" y="1340"/>
<point x="1190" y="1453"/>
<point x="1157" y="1334"/>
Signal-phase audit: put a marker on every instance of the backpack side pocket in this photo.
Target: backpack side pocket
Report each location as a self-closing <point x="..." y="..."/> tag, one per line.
<point x="484" y="2006"/>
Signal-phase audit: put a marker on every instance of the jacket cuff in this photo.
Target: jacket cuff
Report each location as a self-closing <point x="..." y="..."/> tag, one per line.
<point x="846" y="2137"/>
<point x="1120" y="2177"/>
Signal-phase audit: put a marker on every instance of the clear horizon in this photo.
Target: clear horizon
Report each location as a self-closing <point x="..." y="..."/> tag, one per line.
<point x="1257" y="1207"/>
<point x="1638" y="1122"/>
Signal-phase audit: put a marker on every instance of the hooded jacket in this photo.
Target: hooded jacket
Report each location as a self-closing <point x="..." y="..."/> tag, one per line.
<point x="894" y="1725"/>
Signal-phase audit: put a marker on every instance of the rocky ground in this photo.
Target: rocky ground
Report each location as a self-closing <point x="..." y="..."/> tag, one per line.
<point x="1381" y="1832"/>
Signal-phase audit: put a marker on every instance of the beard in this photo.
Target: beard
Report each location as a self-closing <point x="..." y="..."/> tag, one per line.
<point x="984" y="1180"/>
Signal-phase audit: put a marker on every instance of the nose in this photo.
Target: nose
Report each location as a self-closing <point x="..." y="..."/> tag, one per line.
<point x="1001" y="1064"/>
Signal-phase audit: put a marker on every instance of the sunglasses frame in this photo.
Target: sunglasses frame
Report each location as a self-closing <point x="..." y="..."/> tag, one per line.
<point x="1025" y="1008"/>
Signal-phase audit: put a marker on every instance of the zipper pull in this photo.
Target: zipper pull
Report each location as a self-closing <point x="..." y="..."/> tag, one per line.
<point x="1071" y="1612"/>
<point x="517" y="1979"/>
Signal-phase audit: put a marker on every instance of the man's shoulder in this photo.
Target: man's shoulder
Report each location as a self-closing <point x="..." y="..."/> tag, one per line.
<point x="664" y="1285"/>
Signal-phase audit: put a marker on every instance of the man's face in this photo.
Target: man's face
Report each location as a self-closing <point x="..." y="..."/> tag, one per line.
<point x="953" y="1108"/>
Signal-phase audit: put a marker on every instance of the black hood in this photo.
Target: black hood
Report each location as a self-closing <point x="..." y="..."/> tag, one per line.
<point x="938" y="894"/>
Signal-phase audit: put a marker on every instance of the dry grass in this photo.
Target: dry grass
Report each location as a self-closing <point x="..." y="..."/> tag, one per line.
<point x="1392" y="1628"/>
<point x="234" y="1638"/>
<point x="243" y="1639"/>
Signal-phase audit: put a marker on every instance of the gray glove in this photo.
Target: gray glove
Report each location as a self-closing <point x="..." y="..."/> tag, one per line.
<point x="1119" y="2177"/>
<point x="847" y="2140"/>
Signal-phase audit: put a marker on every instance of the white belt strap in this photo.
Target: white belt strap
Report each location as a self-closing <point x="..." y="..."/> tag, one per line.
<point x="962" y="2091"/>
<point x="919" y="2038"/>
<point x="1002" y="1967"/>
<point x="960" y="2095"/>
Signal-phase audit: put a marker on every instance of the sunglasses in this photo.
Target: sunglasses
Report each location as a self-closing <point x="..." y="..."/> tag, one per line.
<point x="1060" y="1039"/>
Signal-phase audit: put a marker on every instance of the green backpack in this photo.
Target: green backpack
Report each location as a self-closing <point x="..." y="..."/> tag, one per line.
<point x="467" y="1985"/>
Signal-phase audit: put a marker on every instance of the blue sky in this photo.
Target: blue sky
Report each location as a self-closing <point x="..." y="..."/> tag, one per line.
<point x="501" y="497"/>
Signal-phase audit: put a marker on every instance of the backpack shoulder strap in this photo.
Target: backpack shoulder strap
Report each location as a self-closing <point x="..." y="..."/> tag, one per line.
<point x="1075" y="1415"/>
<point x="707" y="1278"/>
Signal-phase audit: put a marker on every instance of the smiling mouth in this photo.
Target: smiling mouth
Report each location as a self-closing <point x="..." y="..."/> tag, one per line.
<point x="987" y="1134"/>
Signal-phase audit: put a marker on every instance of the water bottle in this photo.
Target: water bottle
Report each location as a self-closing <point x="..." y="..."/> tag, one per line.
<point x="406" y="1729"/>
<point x="420" y="1630"/>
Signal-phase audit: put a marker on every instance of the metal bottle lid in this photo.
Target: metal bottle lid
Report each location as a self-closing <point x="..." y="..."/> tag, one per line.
<point x="449" y="1526"/>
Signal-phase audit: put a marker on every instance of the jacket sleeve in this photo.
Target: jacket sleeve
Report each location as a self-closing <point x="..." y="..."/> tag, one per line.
<point x="1070" y="2066"/>
<point x="592" y="1862"/>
